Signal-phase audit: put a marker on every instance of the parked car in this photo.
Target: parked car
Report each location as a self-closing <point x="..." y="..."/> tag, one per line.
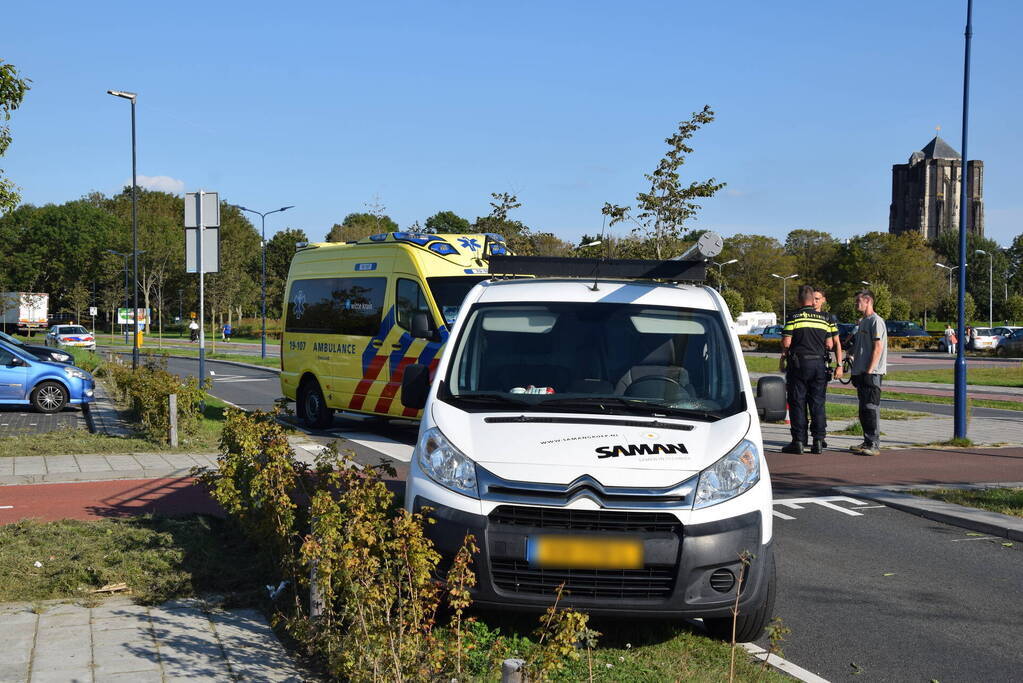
<point x="905" y="328"/>
<point x="40" y="352"/>
<point x="1011" y="346"/>
<point x="846" y="332"/>
<point x="47" y="387"/>
<point x="70" y="335"/>
<point x="984" y="338"/>
<point x="1004" y="331"/>
<point x="771" y="332"/>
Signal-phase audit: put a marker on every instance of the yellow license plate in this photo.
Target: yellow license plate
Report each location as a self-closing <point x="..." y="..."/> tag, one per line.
<point x="585" y="552"/>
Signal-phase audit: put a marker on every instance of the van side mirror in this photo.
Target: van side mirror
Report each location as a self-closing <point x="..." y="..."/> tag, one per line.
<point x="421" y="326"/>
<point x="415" y="386"/>
<point x="771" y="398"/>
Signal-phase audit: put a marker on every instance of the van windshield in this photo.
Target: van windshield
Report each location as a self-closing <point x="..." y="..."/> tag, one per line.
<point x="449" y="293"/>
<point x="586" y="357"/>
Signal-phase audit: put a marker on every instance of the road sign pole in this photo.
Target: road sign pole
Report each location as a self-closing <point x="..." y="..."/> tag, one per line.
<point x="202" y="310"/>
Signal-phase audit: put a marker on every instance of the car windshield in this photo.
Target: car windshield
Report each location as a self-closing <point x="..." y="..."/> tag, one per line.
<point x="72" y="329"/>
<point x="449" y="293"/>
<point x="608" y="358"/>
<point x="11" y="340"/>
<point x="982" y="331"/>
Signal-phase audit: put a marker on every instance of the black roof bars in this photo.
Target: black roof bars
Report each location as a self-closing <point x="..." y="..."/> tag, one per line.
<point x="604" y="269"/>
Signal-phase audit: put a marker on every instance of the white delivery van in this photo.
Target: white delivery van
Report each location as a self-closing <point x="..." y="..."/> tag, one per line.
<point x="600" y="433"/>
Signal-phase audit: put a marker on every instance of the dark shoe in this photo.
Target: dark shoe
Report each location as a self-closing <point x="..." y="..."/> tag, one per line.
<point x="818" y="446"/>
<point x="871" y="449"/>
<point x="858" y="450"/>
<point x="796" y="448"/>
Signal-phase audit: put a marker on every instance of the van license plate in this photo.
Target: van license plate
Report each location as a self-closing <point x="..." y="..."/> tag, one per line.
<point x="585" y="552"/>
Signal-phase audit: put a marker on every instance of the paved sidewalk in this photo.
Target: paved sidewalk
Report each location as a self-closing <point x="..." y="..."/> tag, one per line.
<point x="183" y="640"/>
<point x="39" y="469"/>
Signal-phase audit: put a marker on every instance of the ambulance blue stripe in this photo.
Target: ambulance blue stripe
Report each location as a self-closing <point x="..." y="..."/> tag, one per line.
<point x="399" y="353"/>
<point x="370" y="351"/>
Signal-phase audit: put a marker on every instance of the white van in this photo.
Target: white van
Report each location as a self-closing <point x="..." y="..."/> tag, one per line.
<point x="600" y="434"/>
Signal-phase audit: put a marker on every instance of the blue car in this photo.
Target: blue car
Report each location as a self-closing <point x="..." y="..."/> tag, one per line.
<point x="47" y="387"/>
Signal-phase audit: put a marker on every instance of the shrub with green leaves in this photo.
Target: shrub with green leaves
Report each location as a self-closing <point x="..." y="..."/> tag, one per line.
<point x="147" y="392"/>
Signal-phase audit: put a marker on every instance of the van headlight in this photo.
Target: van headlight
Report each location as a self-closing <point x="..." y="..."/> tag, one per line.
<point x="730" y="476"/>
<point x="445" y="464"/>
<point x="72" y="371"/>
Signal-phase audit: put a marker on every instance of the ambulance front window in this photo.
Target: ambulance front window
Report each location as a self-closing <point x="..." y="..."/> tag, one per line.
<point x="411" y="300"/>
<point x="449" y="293"/>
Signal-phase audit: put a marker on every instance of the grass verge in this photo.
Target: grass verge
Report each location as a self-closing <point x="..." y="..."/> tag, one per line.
<point x="940" y="400"/>
<point x="158" y="558"/>
<point x="1005" y="501"/>
<point x="269" y="362"/>
<point x="761" y="363"/>
<point x="79" y="442"/>
<point x="994" y="377"/>
<point x="847" y="411"/>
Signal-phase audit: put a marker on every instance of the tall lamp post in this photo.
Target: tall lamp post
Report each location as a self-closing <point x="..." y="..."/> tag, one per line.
<point x="949" y="269"/>
<point x="990" y="285"/>
<point x="262" y="231"/>
<point x="720" y="267"/>
<point x="134" y="227"/>
<point x="784" y="293"/>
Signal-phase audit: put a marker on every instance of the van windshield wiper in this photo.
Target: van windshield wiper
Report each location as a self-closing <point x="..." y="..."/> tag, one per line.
<point x="634" y="405"/>
<point x="489" y="399"/>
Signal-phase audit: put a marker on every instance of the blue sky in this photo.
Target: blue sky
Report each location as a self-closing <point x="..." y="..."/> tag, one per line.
<point x="428" y="106"/>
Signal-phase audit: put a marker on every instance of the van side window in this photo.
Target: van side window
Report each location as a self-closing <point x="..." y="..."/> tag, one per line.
<point x="410" y="300"/>
<point x="350" y="305"/>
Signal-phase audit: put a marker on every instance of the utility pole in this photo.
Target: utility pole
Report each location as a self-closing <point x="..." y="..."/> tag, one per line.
<point x="960" y="367"/>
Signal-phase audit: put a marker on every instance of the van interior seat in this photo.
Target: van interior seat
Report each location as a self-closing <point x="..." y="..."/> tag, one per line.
<point x="657" y="375"/>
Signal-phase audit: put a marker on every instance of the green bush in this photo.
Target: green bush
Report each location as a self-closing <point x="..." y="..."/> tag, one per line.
<point x="754" y="342"/>
<point x="147" y="391"/>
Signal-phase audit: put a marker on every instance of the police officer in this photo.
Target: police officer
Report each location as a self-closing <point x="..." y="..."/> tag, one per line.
<point x="807" y="339"/>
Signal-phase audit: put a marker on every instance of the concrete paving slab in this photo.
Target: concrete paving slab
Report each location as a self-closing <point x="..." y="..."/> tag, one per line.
<point x="92" y="463"/>
<point x="6" y="466"/>
<point x="133" y="677"/>
<point x="63" y="619"/>
<point x="122" y="462"/>
<point x="28" y="465"/>
<point x="15" y="672"/>
<point x="61" y="463"/>
<point x="62" y="676"/>
<point x="55" y="658"/>
<point x="152" y="461"/>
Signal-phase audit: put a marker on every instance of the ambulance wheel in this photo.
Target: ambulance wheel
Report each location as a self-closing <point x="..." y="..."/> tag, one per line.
<point x="748" y="625"/>
<point x="314" y="408"/>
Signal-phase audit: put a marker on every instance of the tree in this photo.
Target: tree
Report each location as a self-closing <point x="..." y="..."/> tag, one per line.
<point x="12" y="91"/>
<point x="948" y="309"/>
<point x="77" y="299"/>
<point x="733" y="300"/>
<point x="761" y="303"/>
<point x="447" y="222"/>
<point x="356" y="226"/>
<point x="758" y="257"/>
<point x="547" y="244"/>
<point x="661" y="211"/>
<point x="517" y="235"/>
<point x="946" y="246"/>
<point x="812" y="253"/>
<point x="279" y="251"/>
<point x="900" y="308"/>
<point x="1014" y="308"/>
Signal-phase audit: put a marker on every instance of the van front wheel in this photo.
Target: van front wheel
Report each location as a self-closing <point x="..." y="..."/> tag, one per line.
<point x="748" y="625"/>
<point x="315" y="411"/>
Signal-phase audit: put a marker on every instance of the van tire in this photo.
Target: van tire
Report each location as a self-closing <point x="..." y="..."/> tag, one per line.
<point x="750" y="625"/>
<point x="49" y="397"/>
<point x="313" y="406"/>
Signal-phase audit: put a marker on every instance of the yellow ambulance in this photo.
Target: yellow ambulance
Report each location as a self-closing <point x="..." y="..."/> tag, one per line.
<point x="358" y="313"/>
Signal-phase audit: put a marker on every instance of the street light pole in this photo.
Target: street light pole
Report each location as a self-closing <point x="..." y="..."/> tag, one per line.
<point x="949" y="269"/>
<point x="134" y="227"/>
<point x="262" y="232"/>
<point x="784" y="294"/>
<point x="990" y="285"/>
<point x="720" y="267"/>
<point x="960" y="367"/>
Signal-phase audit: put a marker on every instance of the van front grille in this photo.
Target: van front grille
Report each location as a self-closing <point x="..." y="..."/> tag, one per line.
<point x="517" y="576"/>
<point x="585" y="520"/>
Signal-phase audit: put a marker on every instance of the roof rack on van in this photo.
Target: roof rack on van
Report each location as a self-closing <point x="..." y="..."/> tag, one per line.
<point x="595" y="268"/>
<point x="691" y="266"/>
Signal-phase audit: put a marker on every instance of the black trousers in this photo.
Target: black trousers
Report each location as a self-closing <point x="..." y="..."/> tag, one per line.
<point x="868" y="392"/>
<point x="806" y="383"/>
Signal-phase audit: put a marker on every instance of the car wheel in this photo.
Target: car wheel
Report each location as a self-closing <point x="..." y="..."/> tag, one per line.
<point x="750" y="625"/>
<point x="315" y="412"/>
<point x="1000" y="352"/>
<point x="49" y="397"/>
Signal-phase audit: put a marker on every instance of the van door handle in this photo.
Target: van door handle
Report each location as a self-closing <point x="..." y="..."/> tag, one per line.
<point x="377" y="343"/>
<point x="396" y="346"/>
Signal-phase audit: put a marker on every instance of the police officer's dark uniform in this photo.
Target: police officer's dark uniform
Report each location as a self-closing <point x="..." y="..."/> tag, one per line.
<point x="806" y="378"/>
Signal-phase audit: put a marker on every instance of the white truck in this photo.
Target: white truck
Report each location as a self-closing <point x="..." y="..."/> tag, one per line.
<point x="751" y="322"/>
<point x="24" y="311"/>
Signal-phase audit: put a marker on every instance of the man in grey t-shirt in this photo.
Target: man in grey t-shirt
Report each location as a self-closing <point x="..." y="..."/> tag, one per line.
<point x="870" y="363"/>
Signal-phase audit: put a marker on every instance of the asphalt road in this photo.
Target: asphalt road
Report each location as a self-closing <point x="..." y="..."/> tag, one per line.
<point x="888" y="596"/>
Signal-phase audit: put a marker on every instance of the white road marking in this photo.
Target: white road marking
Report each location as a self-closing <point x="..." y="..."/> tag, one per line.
<point x="824" y="501"/>
<point x="381" y="444"/>
<point x="221" y="379"/>
<point x="797" y="672"/>
<point x="978" y="538"/>
<point x="6" y="507"/>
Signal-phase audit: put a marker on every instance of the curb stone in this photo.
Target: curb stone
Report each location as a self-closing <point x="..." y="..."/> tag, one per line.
<point x="975" y="519"/>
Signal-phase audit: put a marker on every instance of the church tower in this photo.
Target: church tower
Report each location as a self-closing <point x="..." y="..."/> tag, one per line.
<point x="925" y="192"/>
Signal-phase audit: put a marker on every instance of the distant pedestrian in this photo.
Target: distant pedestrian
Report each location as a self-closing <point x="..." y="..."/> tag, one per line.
<point x="950" y="338"/>
<point x="193" y="331"/>
<point x="227" y="332"/>
<point x="806" y="340"/>
<point x="870" y="363"/>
